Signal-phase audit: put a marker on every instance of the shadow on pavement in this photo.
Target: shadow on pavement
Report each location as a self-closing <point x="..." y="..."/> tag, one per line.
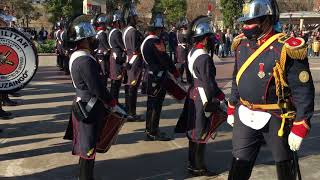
<point x="164" y="165"/>
<point x="55" y="125"/>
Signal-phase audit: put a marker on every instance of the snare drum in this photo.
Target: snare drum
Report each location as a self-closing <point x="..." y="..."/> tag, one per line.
<point x="174" y="88"/>
<point x="112" y="125"/>
<point x="217" y="118"/>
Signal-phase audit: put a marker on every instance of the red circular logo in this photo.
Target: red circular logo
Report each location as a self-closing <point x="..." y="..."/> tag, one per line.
<point x="9" y="60"/>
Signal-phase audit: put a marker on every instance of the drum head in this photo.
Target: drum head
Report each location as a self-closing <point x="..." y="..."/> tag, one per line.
<point x="18" y="60"/>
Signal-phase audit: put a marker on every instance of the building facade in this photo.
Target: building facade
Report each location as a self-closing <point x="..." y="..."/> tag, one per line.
<point x="94" y="6"/>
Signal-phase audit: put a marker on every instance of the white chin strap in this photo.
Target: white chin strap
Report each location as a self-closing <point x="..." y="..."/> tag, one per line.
<point x="266" y="33"/>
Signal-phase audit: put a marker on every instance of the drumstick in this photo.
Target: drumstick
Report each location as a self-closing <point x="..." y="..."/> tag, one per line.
<point x="5" y="59"/>
<point x="7" y="54"/>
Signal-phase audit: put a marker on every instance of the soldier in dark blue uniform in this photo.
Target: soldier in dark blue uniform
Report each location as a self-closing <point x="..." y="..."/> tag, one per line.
<point x="203" y="93"/>
<point x="88" y="109"/>
<point x="158" y="65"/>
<point x="63" y="54"/>
<point x="101" y="23"/>
<point x="183" y="49"/>
<point x="272" y="94"/>
<point x="118" y="56"/>
<point x="59" y="44"/>
<point x="132" y="39"/>
<point x="172" y="39"/>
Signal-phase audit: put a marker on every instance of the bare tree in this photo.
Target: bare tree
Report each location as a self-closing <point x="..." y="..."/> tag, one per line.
<point x="197" y="7"/>
<point x="295" y="5"/>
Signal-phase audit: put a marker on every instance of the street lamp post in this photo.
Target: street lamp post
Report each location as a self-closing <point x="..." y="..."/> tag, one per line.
<point x="27" y="19"/>
<point x="301" y="22"/>
<point x="290" y="22"/>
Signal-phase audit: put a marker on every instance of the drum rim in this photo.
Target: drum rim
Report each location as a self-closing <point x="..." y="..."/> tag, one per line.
<point x="36" y="58"/>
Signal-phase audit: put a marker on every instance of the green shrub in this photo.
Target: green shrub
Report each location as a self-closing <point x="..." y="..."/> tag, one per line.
<point x="47" y="47"/>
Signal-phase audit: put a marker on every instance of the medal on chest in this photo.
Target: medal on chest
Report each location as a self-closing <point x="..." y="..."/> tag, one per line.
<point x="261" y="72"/>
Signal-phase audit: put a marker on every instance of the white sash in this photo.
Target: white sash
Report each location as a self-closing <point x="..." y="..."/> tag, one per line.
<point x="191" y="59"/>
<point x="109" y="38"/>
<point x="254" y="119"/>
<point x="61" y="36"/>
<point x="57" y="34"/>
<point x="143" y="43"/>
<point x="98" y="33"/>
<point x="125" y="34"/>
<point x="133" y="58"/>
<point x="73" y="57"/>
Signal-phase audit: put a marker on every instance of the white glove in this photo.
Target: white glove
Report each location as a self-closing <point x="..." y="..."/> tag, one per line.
<point x="119" y="110"/>
<point x="230" y="120"/>
<point x="207" y="114"/>
<point x="294" y="141"/>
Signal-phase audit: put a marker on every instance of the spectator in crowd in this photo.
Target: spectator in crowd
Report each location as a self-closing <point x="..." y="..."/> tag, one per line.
<point x="218" y="40"/>
<point x="229" y="39"/>
<point x="213" y="45"/>
<point x="305" y="35"/>
<point x="309" y="43"/>
<point x="316" y="45"/>
<point x="222" y="44"/>
<point x="43" y="35"/>
<point x="173" y="43"/>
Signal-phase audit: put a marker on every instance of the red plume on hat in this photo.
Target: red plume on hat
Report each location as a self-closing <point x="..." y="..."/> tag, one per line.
<point x="209" y="9"/>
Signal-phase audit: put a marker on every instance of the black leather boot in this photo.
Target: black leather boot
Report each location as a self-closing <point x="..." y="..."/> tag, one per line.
<point x="6" y="101"/>
<point x="240" y="169"/>
<point x="197" y="165"/>
<point x="285" y="170"/>
<point x="132" y="105"/>
<point x="191" y="153"/>
<point x="5" y="115"/>
<point x="86" y="169"/>
<point x="148" y="120"/>
<point x="15" y="94"/>
<point x="126" y="97"/>
<point x="154" y="134"/>
<point x="144" y="87"/>
<point x="115" y="88"/>
<point x="132" y="100"/>
<point x="152" y="121"/>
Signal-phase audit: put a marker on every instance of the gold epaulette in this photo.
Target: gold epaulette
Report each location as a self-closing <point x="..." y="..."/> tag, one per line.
<point x="295" y="47"/>
<point x="236" y="41"/>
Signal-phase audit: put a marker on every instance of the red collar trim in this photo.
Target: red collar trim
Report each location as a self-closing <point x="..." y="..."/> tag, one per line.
<point x="100" y="28"/>
<point x="199" y="46"/>
<point x="266" y="37"/>
<point x="152" y="33"/>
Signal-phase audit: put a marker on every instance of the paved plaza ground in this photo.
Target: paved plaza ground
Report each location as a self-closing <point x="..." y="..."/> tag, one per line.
<point x="32" y="148"/>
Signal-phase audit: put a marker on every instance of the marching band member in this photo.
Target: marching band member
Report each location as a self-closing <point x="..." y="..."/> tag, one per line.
<point x="117" y="57"/>
<point x="103" y="51"/>
<point x="132" y="40"/>
<point x="88" y="109"/>
<point x="59" y="44"/>
<point x="158" y="65"/>
<point x="183" y="49"/>
<point x="202" y="96"/>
